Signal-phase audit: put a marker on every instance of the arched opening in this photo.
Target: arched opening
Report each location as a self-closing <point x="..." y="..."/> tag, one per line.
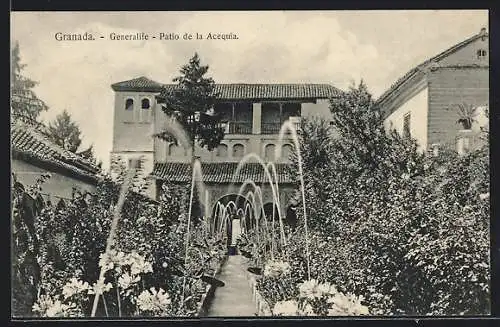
<point x="176" y="151"/>
<point x="269" y="152"/>
<point x="129" y="104"/>
<point x="145" y="103"/>
<point x="231" y="215"/>
<point x="221" y="151"/>
<point x="238" y="150"/>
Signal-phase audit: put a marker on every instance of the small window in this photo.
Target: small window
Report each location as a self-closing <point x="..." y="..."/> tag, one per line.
<point x="238" y="150"/>
<point x="221" y="151"/>
<point x="481" y="54"/>
<point x="407" y="126"/>
<point x="129" y="104"/>
<point x="134" y="163"/>
<point x="145" y="104"/>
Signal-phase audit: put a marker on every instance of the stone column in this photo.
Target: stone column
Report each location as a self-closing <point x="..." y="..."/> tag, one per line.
<point x="257" y="113"/>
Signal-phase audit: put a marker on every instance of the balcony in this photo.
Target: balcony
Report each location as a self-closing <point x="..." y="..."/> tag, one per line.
<point x="274" y="127"/>
<point x="238" y="128"/>
<point x="270" y="128"/>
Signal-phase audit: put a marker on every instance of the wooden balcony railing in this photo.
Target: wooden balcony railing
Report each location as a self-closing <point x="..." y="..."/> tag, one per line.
<point x="239" y="128"/>
<point x="274" y="128"/>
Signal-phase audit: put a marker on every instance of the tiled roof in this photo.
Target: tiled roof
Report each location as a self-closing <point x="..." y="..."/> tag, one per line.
<point x="141" y="83"/>
<point x="241" y="91"/>
<point x="29" y="142"/>
<point x="428" y="62"/>
<point x="219" y="172"/>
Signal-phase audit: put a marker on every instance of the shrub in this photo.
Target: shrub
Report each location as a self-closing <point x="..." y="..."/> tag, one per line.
<point x="73" y="234"/>
<point x="408" y="232"/>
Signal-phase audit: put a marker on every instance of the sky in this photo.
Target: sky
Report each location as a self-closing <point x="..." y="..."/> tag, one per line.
<point x="335" y="47"/>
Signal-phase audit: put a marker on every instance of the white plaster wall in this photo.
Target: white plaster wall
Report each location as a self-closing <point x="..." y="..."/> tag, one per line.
<point x="57" y="186"/>
<point x="418" y="107"/>
<point x="319" y="109"/>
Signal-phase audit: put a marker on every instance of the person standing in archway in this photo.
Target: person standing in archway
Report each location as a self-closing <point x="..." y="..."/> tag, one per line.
<point x="229" y="233"/>
<point x="236" y="231"/>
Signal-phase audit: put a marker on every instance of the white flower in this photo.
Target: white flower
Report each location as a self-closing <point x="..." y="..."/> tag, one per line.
<point x="74" y="286"/>
<point x="56" y="310"/>
<point x="138" y="264"/>
<point x="309" y="289"/>
<point x="105" y="263"/>
<point x="333" y="290"/>
<point x="100" y="287"/>
<point x="153" y="301"/>
<point x="484" y="196"/>
<point x="47" y="307"/>
<point x="286" y="308"/>
<point x="275" y="269"/>
<point x="125" y="280"/>
<point x="346" y="305"/>
<point x="324" y="288"/>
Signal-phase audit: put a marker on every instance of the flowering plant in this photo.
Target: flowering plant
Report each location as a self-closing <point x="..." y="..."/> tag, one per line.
<point x="276" y="268"/>
<point x="123" y="272"/>
<point x="153" y="302"/>
<point x="320" y="299"/>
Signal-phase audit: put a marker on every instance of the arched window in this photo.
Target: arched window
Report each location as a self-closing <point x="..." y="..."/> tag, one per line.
<point x="269" y="152"/>
<point x="175" y="151"/>
<point x="238" y="150"/>
<point x="129" y="104"/>
<point x="286" y="151"/>
<point x="221" y="151"/>
<point x="145" y="104"/>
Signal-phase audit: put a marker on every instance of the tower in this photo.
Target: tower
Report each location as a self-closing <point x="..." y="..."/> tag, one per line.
<point x="133" y="123"/>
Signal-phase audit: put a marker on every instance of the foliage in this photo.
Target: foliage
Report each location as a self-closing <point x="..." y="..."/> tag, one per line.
<point x="89" y="155"/>
<point x="145" y="270"/>
<point x="194" y="93"/>
<point x="24" y="102"/>
<point x="467" y="115"/>
<point x="408" y="232"/>
<point x="26" y="205"/>
<point x="321" y="299"/>
<point x="65" y="132"/>
<point x="124" y="273"/>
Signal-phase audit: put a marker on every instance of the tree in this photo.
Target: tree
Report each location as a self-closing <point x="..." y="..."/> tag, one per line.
<point x="89" y="155"/>
<point x="191" y="103"/>
<point x="65" y="132"/>
<point x="409" y="232"/>
<point x="24" y="102"/>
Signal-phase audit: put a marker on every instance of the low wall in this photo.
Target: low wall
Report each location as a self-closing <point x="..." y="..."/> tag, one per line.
<point x="263" y="308"/>
<point x="209" y="293"/>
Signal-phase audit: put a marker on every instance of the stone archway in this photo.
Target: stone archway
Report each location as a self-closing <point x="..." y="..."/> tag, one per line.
<point x="232" y="214"/>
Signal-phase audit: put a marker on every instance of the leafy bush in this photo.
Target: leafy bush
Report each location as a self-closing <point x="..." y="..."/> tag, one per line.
<point x="320" y="299"/>
<point x="407" y="231"/>
<point x="73" y="234"/>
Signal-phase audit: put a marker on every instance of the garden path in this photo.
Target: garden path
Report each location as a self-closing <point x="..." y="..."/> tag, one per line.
<point x="235" y="297"/>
